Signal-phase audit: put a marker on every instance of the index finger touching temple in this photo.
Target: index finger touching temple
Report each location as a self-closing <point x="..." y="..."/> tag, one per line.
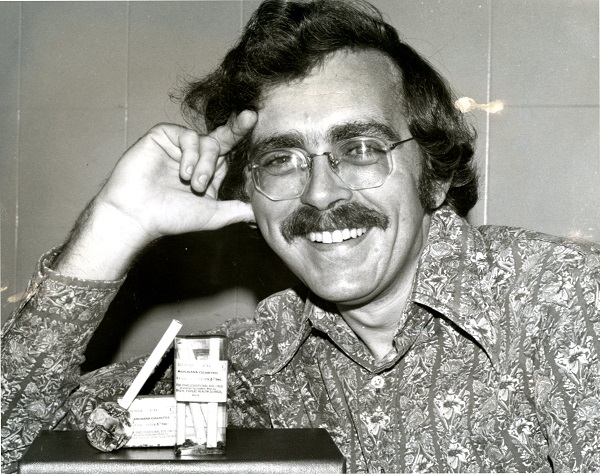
<point x="236" y="128"/>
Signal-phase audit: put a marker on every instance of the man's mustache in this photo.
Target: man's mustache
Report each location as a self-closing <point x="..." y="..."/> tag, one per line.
<point x="307" y="219"/>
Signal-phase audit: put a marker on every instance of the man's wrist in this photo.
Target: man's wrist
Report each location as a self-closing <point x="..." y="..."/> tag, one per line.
<point x="102" y="245"/>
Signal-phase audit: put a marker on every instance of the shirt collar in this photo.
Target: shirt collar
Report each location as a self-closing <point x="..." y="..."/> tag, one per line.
<point x="449" y="280"/>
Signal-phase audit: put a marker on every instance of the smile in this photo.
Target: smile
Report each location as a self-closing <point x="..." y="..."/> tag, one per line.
<point x="335" y="236"/>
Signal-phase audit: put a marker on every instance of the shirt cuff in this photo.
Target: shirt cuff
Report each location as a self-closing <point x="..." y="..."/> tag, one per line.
<point x="63" y="297"/>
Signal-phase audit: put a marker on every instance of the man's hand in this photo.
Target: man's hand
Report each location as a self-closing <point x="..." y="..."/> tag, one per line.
<point x="166" y="183"/>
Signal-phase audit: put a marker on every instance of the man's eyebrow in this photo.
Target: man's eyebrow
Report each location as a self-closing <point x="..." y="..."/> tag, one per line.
<point x="368" y="128"/>
<point x="338" y="132"/>
<point x="291" y="139"/>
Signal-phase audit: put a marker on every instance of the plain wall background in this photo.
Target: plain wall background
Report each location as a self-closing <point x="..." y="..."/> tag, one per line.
<point x="81" y="81"/>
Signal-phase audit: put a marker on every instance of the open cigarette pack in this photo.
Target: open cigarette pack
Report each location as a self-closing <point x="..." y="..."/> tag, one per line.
<point x="201" y="394"/>
<point x="194" y="419"/>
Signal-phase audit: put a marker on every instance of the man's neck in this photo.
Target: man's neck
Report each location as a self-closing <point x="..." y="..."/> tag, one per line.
<point x="376" y="323"/>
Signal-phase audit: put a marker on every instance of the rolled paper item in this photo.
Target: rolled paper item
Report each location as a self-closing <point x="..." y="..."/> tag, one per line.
<point x="181" y="425"/>
<point x="211" y="409"/>
<point x="109" y="426"/>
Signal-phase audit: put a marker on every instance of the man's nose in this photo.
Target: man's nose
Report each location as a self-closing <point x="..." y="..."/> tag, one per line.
<point x="324" y="188"/>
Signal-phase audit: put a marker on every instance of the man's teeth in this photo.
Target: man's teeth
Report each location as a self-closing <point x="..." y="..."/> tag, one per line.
<point x="333" y="237"/>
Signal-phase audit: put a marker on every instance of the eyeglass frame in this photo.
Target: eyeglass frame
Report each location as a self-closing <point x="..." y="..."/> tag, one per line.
<point x="309" y="157"/>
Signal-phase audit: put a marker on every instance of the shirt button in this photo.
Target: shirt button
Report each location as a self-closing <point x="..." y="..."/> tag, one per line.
<point x="377" y="382"/>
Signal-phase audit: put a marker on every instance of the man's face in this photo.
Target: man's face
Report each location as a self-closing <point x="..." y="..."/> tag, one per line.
<point x="352" y="93"/>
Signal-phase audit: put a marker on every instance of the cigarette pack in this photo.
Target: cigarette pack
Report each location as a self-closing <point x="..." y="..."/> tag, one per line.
<point x="201" y="394"/>
<point x="154" y="420"/>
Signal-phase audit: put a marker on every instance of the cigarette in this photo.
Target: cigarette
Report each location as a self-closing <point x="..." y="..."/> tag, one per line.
<point x="198" y="422"/>
<point x="181" y="425"/>
<point x="150" y="364"/>
<point x="211" y="414"/>
<point x="211" y="409"/>
<point x="194" y="408"/>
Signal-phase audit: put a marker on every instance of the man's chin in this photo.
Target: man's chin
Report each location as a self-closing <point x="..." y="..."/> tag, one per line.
<point x="344" y="297"/>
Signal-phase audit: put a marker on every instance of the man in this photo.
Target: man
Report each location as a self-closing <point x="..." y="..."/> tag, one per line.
<point x="419" y="342"/>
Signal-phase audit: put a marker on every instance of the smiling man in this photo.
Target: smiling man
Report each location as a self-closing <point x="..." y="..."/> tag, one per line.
<point x="352" y="232"/>
<point x="419" y="342"/>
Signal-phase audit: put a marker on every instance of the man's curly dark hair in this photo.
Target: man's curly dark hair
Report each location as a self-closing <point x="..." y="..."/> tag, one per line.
<point x="286" y="40"/>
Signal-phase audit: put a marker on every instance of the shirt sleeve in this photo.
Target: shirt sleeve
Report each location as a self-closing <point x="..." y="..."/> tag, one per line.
<point x="567" y="379"/>
<point x="43" y="343"/>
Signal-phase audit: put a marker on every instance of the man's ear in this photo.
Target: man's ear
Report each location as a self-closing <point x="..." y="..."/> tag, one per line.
<point x="248" y="184"/>
<point x="440" y="190"/>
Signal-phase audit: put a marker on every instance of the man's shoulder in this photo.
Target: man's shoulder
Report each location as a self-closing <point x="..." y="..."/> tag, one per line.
<point x="528" y="243"/>
<point x="533" y="259"/>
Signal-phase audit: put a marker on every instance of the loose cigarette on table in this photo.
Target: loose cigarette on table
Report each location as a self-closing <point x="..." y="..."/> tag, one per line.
<point x="150" y="364"/>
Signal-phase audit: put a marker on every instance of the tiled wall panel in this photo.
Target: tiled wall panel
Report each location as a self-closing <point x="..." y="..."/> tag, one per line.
<point x="65" y="155"/>
<point x="72" y="110"/>
<point x="74" y="55"/>
<point x="545" y="52"/>
<point x="8" y="201"/>
<point x="546" y="177"/>
<point x="10" y="14"/>
<point x="544" y="165"/>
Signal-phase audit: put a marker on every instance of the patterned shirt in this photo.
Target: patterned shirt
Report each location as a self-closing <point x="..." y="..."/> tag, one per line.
<point x="495" y="364"/>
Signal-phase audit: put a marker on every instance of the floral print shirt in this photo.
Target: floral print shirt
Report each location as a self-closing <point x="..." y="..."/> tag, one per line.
<point x="495" y="364"/>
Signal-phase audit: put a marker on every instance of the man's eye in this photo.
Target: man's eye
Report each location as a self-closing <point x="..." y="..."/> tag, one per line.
<point x="363" y="150"/>
<point x="278" y="162"/>
<point x="359" y="150"/>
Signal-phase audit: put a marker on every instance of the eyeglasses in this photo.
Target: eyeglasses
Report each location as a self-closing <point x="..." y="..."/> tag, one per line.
<point x="360" y="163"/>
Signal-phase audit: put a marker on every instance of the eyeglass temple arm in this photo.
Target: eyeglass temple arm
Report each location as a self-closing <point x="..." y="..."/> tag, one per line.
<point x="394" y="145"/>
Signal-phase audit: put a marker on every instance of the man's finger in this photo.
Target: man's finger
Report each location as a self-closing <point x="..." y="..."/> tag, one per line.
<point x="234" y="130"/>
<point x="209" y="149"/>
<point x="188" y="142"/>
